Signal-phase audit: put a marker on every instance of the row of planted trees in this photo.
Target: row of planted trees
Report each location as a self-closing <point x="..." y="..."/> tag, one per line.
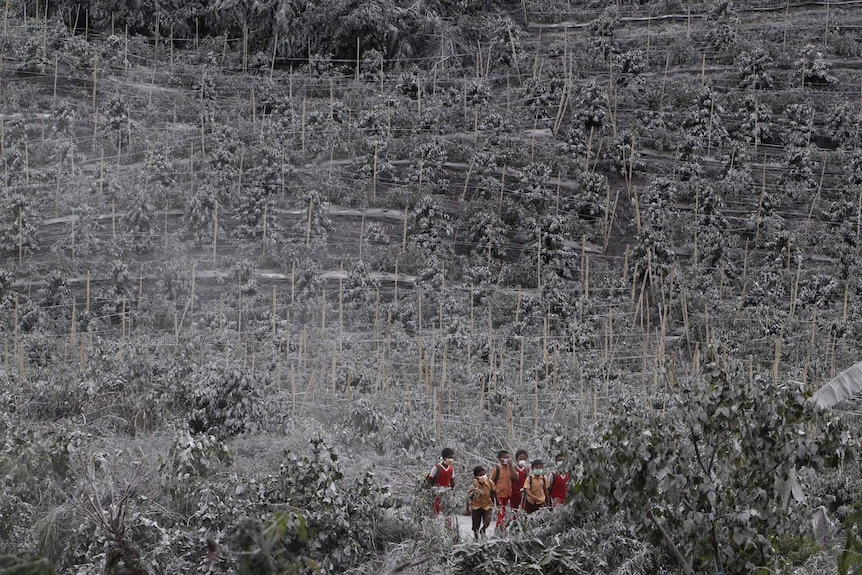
<point x="486" y="249"/>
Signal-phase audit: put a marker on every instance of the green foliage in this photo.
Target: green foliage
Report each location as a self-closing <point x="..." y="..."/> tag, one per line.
<point x="850" y="560"/>
<point x="332" y="521"/>
<point x="191" y="461"/>
<point x="11" y="565"/>
<point x="721" y="469"/>
<point x="263" y="551"/>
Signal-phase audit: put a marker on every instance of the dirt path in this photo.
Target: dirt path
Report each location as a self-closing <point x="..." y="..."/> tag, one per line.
<point x="465" y="526"/>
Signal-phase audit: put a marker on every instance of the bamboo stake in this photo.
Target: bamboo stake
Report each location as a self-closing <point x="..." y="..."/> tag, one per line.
<point x="95" y="78"/>
<point x="340" y="306"/>
<point x="244" y="48"/>
<point x="810" y="346"/>
<point x="302" y="133"/>
<point x="777" y="357"/>
<point x="17" y="340"/>
<point x="794" y="293"/>
<point x="215" y="229"/>
<point x="73" y="324"/>
<point x="334" y="373"/>
<point x="20" y="236"/>
<point x="274" y="313"/>
<point x="322" y="309"/>
<point x="308" y="223"/>
<point x="846" y="297"/>
<point x="274" y="50"/>
<point x="584" y="279"/>
<point x="123" y="322"/>
<point x="348" y="386"/>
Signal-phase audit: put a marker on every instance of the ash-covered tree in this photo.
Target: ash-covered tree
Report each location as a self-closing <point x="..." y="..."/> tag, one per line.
<point x="487" y="234"/>
<point x="718" y="475"/>
<point x="798" y="179"/>
<point x="704" y="120"/>
<point x="712" y="226"/>
<point x="315" y="227"/>
<point x="754" y="66"/>
<point x="603" y="40"/>
<point x="361" y="291"/>
<point x="813" y="68"/>
<point x="755" y="121"/>
<point x="531" y="188"/>
<point x="653" y="247"/>
<point x="222" y="398"/>
<point x="800" y="124"/>
<point x="842" y="126"/>
<point x="721" y="31"/>
<point x="427" y="173"/>
<point x="139" y="222"/>
<point x="19" y="221"/>
<point x="430" y="230"/>
<point x="115" y="121"/>
<point x="591" y="108"/>
<point x="313" y="518"/>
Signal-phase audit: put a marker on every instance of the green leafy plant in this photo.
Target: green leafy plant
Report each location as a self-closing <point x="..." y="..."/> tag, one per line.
<point x="719" y="474"/>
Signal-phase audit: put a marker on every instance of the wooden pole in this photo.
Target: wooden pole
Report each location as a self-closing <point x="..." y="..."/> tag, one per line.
<point x="274" y="312"/>
<point x="215" y="229"/>
<point x="308" y="223"/>
<point x="777" y="357"/>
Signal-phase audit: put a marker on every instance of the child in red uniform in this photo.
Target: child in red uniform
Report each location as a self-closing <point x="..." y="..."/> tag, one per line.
<point x="442" y="476"/>
<point x="559" y="482"/>
<point x="505" y="479"/>
<point x="523" y="470"/>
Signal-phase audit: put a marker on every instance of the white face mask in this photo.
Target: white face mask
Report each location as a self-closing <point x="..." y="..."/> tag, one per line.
<point x="447" y="462"/>
<point x="522" y="463"/>
<point x="505" y="461"/>
<point x="482" y="478"/>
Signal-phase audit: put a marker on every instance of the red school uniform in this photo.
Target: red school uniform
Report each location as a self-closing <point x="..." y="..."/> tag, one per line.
<point x="441" y="476"/>
<point x="559" y="487"/>
<point x="517" y="486"/>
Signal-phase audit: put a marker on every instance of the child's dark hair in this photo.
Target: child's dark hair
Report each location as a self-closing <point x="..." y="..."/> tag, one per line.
<point x="447" y="453"/>
<point x="520" y="452"/>
<point x="537" y="463"/>
<point x="502" y="453"/>
<point x="478" y="470"/>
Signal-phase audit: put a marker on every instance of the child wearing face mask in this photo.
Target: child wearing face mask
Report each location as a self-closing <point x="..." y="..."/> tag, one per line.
<point x="522" y="468"/>
<point x="536" y="493"/>
<point x="505" y="479"/>
<point x="559" y="481"/>
<point x="442" y="476"/>
<point x="482" y="497"/>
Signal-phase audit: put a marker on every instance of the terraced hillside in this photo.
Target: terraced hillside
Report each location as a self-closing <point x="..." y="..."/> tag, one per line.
<point x="398" y="227"/>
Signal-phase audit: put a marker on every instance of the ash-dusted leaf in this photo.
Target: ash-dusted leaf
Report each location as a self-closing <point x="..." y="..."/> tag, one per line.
<point x="845" y="385"/>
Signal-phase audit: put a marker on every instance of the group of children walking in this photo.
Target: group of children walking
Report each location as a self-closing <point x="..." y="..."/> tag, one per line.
<point x="517" y="484"/>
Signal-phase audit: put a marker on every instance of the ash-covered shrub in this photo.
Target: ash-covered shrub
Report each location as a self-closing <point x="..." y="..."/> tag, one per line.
<point x="223" y="398"/>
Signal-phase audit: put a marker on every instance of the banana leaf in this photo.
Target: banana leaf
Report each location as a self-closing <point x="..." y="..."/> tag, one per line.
<point x="845" y="385"/>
